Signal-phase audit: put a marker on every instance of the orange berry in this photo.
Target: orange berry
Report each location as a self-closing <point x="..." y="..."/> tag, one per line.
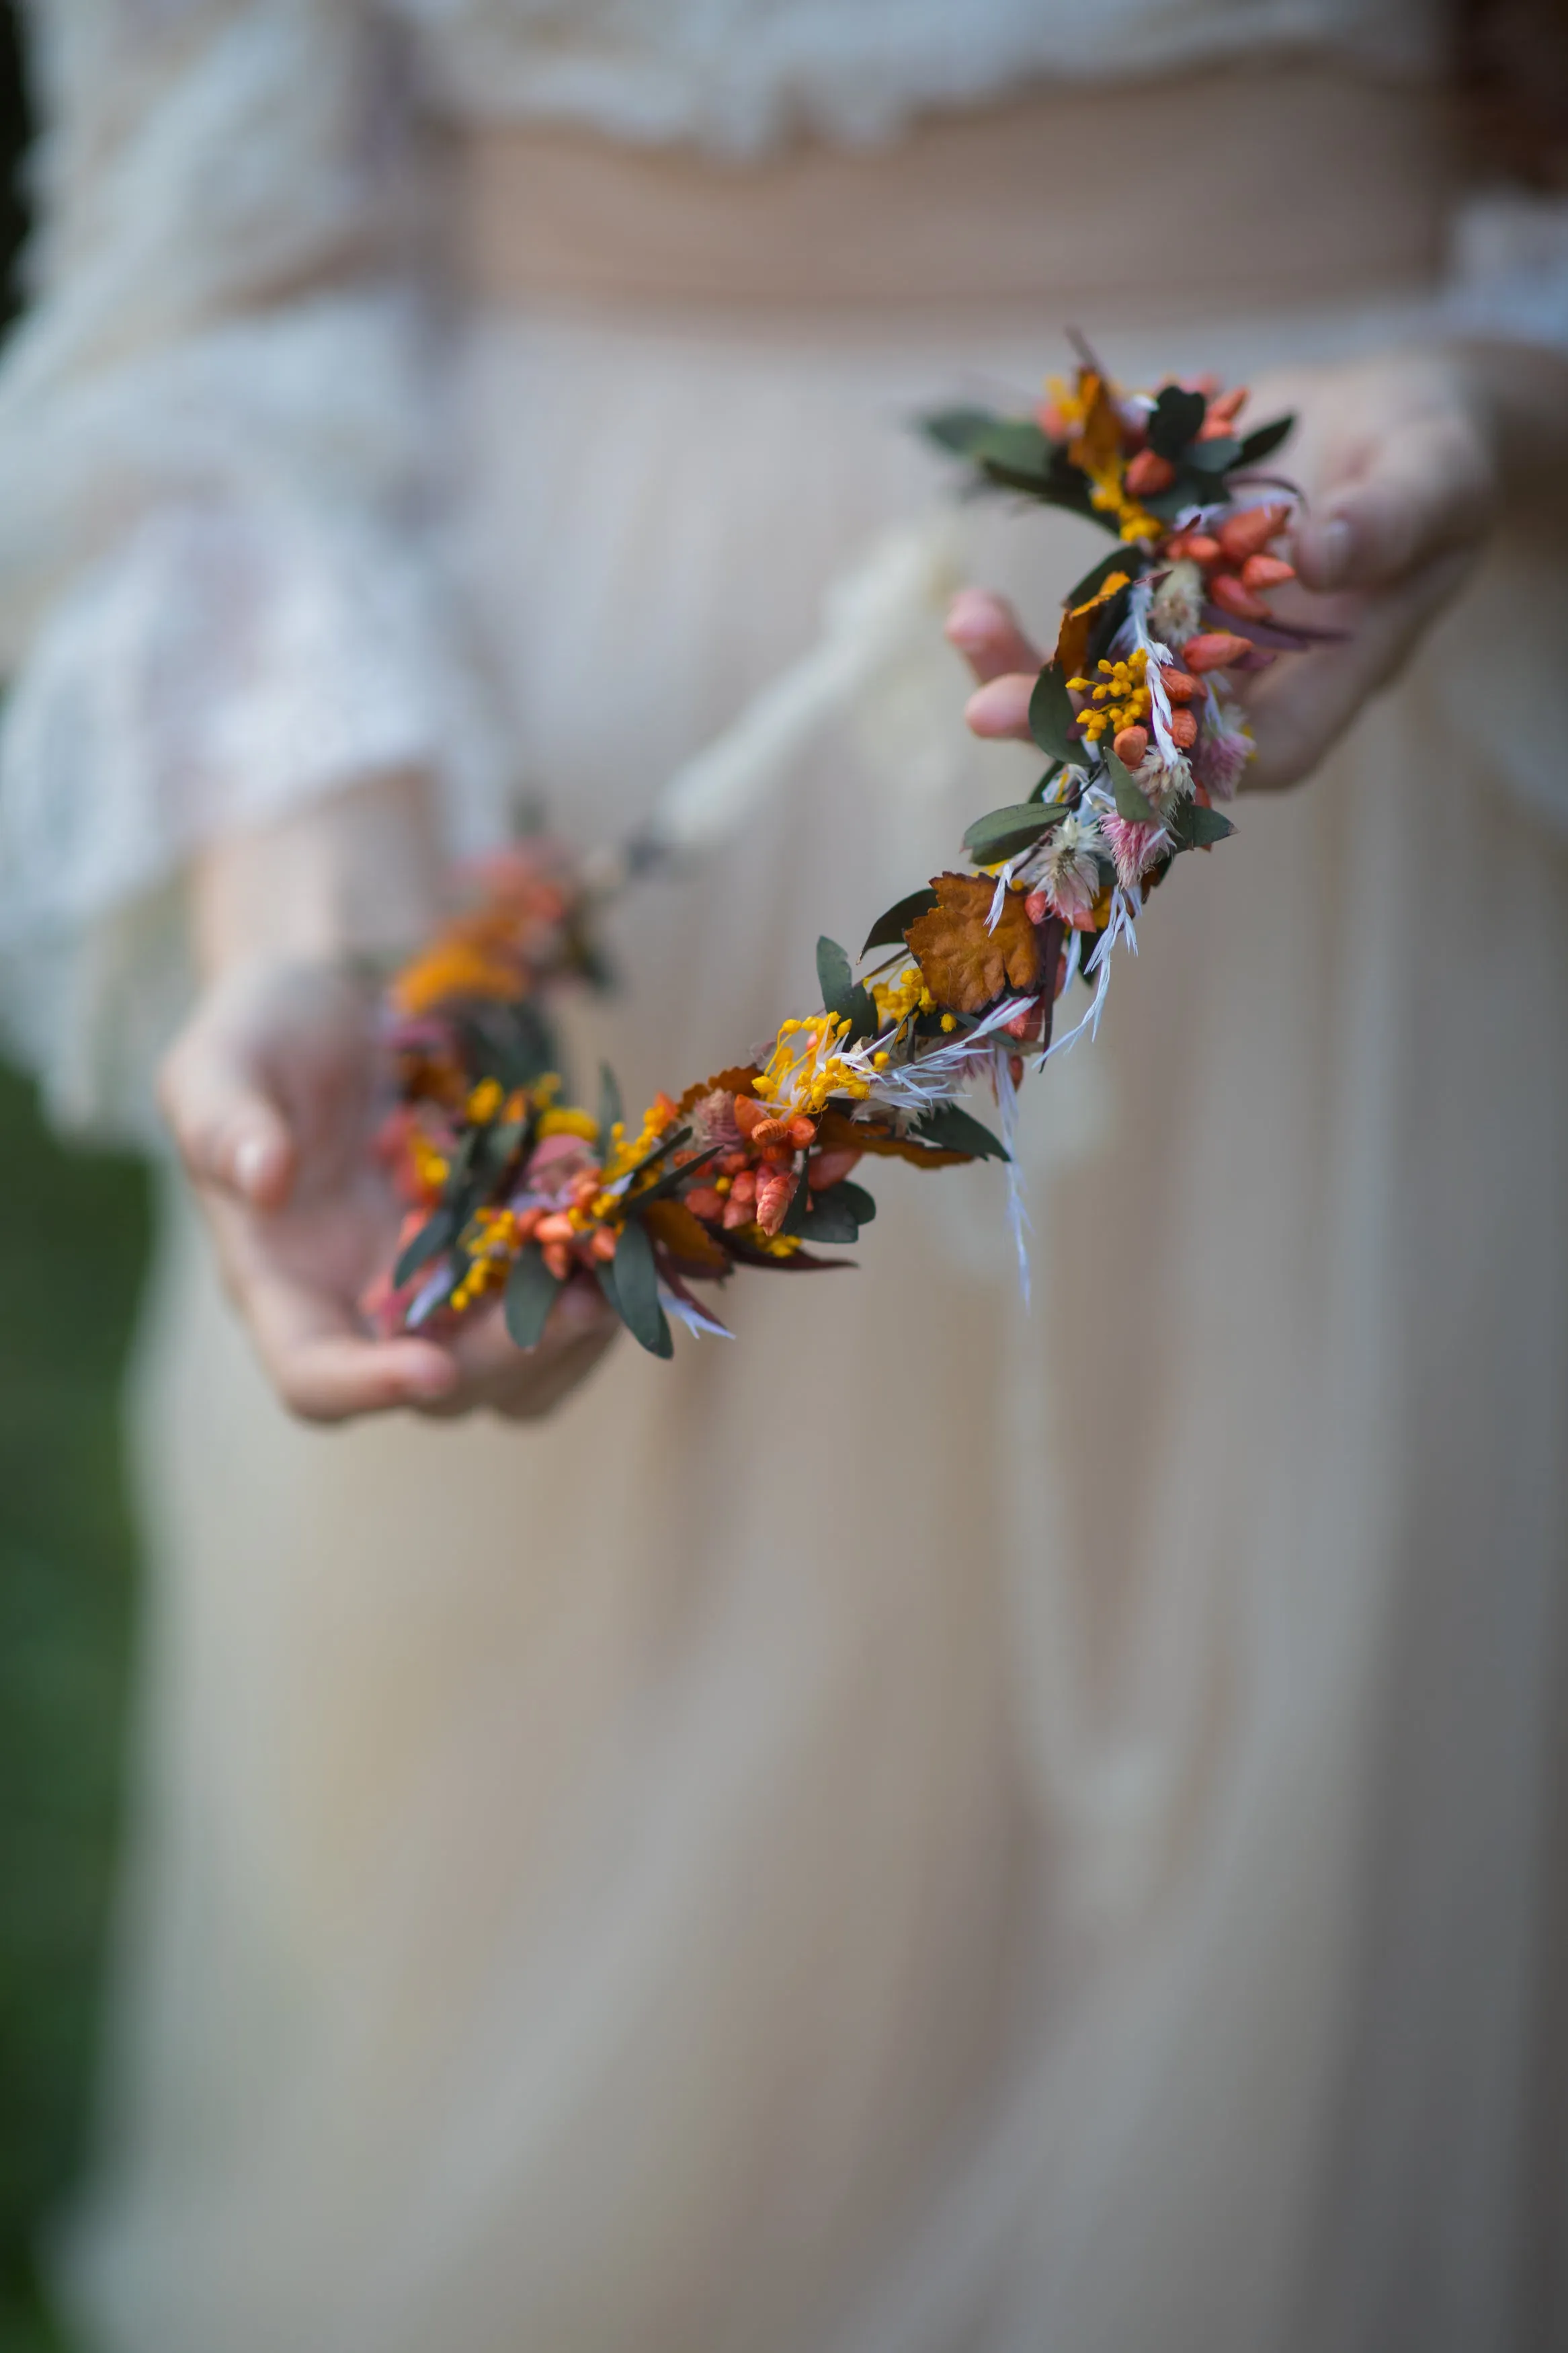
<point x="1231" y="598"/>
<point x="1201" y="548"/>
<point x="556" y="1226"/>
<point x="802" y="1132"/>
<point x="1131" y="745"/>
<point x="1149" y="473"/>
<point x="558" y="1259"/>
<point x="1213" y="650"/>
<point x="1266" y="571"/>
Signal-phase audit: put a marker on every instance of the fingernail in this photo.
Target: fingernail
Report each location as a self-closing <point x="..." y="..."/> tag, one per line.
<point x="1331" y="551"/>
<point x="252" y="1156"/>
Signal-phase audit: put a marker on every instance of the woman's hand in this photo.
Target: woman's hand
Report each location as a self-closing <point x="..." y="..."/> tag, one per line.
<point x="268" y="1094"/>
<point x="1401" y="460"/>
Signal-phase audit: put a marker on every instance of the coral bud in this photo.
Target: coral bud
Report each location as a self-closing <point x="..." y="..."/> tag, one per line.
<point x="745" y="1187"/>
<point x="1183" y="730"/>
<point x="1249" y="533"/>
<point x="828" y="1168"/>
<point x="526" y="1223"/>
<point x="750" y="1113"/>
<point x="1201" y="548"/>
<point x="1037" y="906"/>
<point x="555" y="1228"/>
<point x="802" y="1132"/>
<point x="1266" y="571"/>
<point x="769" y="1131"/>
<point x="558" y="1259"/>
<point x="1149" y="473"/>
<point x="603" y="1244"/>
<point x="1026" y="1024"/>
<point x="775" y="1195"/>
<point x="704" y="1202"/>
<point x="1231" y="598"/>
<point x="1178" y="686"/>
<point x="1213" y="650"/>
<point x="737" y="1213"/>
<point x="1131" y="745"/>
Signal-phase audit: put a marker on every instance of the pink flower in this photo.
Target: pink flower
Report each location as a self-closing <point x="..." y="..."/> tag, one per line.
<point x="1221" y="754"/>
<point x="1134" y="847"/>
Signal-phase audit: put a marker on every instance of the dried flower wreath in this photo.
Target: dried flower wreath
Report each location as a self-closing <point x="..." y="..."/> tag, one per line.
<point x="512" y="1190"/>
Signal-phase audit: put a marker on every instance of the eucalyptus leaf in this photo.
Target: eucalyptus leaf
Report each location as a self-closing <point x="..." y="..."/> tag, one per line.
<point x="1264" y="439"/>
<point x="1051" y="714"/>
<point x="958" y="1131"/>
<point x="1176" y="416"/>
<point x="637" y="1289"/>
<point x="1004" y="831"/>
<point x="826" y="1218"/>
<point x="889" y="930"/>
<point x="531" y="1291"/>
<point x="860" y="1200"/>
<point x="1131" y="801"/>
<point x="435" y="1235"/>
<point x="1016" y="445"/>
<point x="611" y="1110"/>
<point x="958" y="430"/>
<point x="842" y="995"/>
<point x="1212" y="457"/>
<point x="1197" y="828"/>
<point x="1121" y="559"/>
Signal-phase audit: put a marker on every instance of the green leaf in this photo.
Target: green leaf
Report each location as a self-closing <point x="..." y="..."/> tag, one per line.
<point x="826" y="1219"/>
<point x="1131" y="801"/>
<point x="435" y="1235"/>
<point x="860" y="1202"/>
<point x="842" y="995"/>
<point x="958" y="428"/>
<point x="1121" y="559"/>
<point x="1264" y="439"/>
<point x="1048" y="780"/>
<point x="889" y="930"/>
<point x="1195" y="827"/>
<point x="637" y="1289"/>
<point x="1212" y="457"/>
<point x="1002" y="831"/>
<point x="957" y="1131"/>
<point x="1176" y="416"/>
<point x="531" y="1291"/>
<point x="611" y="1111"/>
<point x="1051" y="715"/>
<point x="1016" y="445"/>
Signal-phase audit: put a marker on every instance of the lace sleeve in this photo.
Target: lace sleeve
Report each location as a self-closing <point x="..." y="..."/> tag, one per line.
<point x="217" y="595"/>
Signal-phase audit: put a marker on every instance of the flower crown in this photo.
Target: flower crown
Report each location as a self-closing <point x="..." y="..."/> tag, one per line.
<point x="510" y="1190"/>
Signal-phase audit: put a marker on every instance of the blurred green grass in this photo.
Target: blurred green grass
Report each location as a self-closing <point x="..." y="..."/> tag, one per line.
<point x="73" y="1243"/>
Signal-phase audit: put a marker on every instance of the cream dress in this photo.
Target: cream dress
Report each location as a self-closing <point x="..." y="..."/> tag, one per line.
<point x="934" y="1828"/>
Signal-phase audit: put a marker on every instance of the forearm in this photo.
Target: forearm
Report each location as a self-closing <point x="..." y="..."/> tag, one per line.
<point x="357" y="873"/>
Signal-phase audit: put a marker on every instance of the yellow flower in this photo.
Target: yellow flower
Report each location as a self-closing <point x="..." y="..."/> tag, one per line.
<point x="804" y="1068"/>
<point x="566" y="1122"/>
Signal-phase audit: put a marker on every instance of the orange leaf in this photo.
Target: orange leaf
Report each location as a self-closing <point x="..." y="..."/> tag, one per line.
<point x="685" y="1237"/>
<point x="965" y="965"/>
<point x="1098" y="446"/>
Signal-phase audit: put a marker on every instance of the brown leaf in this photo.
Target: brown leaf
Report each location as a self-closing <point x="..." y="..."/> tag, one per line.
<point x="965" y="965"/>
<point x="684" y="1236"/>
<point x="728" y="1082"/>
<point x="835" y="1133"/>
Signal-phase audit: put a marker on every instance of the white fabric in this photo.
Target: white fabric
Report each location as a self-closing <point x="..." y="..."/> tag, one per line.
<point x="929" y="1829"/>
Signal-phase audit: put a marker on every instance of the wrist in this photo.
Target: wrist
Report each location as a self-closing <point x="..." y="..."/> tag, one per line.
<point x="357" y="875"/>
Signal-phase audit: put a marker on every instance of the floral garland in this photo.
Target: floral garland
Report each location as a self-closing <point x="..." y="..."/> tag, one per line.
<point x="510" y="1190"/>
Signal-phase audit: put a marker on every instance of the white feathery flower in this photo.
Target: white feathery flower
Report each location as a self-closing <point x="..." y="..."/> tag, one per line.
<point x="1176" y="610"/>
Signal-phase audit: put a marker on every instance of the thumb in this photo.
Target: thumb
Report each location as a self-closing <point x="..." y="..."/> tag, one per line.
<point x="1416" y="492"/>
<point x="230" y="1129"/>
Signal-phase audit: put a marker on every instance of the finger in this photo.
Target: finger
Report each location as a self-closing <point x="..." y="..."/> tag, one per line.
<point x="984" y="629"/>
<point x="322" y="1367"/>
<point x="230" y="1132"/>
<point x="1000" y="709"/>
<point x="1414" y="494"/>
<point x="1298" y="709"/>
